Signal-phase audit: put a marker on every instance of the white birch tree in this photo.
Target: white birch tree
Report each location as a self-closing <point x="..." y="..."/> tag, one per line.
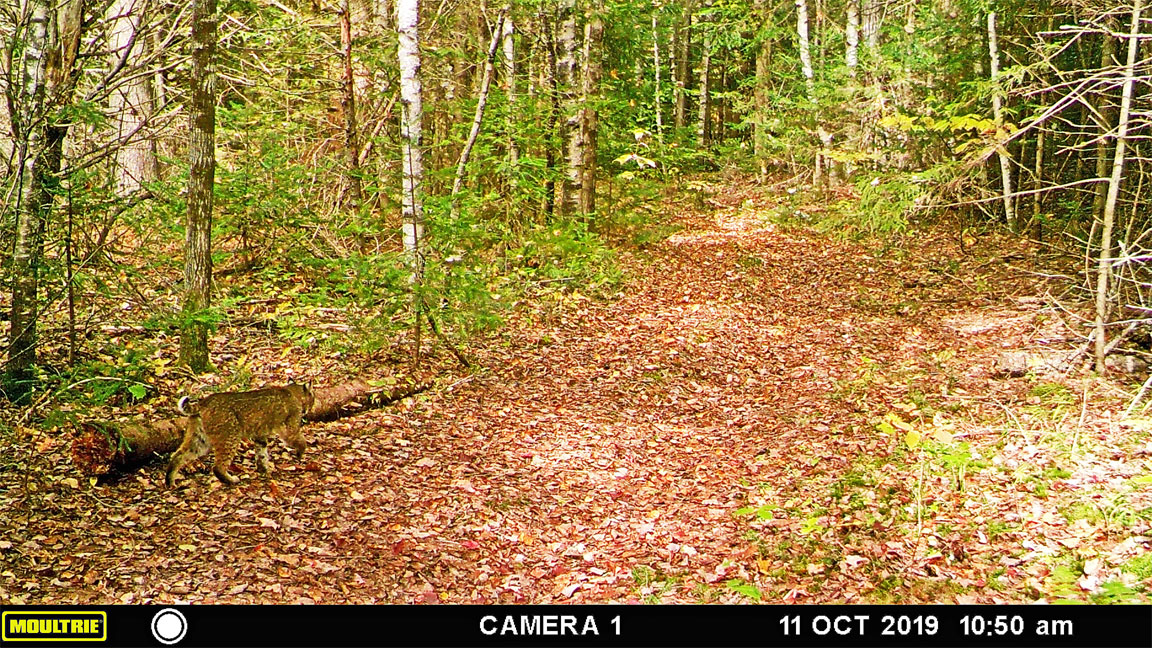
<point x="33" y="202"/>
<point x="412" y="162"/>
<point x="852" y="38"/>
<point x="805" y="47"/>
<point x="871" y="20"/>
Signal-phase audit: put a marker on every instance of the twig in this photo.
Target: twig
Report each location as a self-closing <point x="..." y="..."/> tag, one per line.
<point x="1083" y="416"/>
<point x="1139" y="397"/>
<point x="463" y="380"/>
<point x="40" y="401"/>
<point x="440" y="336"/>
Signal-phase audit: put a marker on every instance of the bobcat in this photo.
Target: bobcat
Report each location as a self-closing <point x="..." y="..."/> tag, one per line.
<point x="223" y="420"/>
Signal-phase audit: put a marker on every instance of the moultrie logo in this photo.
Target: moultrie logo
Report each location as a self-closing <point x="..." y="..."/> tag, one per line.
<point x="54" y="625"/>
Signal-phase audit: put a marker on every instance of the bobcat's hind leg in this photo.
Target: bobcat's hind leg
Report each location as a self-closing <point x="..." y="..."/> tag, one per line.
<point x="194" y="446"/>
<point x="225" y="451"/>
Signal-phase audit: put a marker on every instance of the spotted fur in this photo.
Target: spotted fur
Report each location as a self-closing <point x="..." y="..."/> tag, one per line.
<point x="222" y="421"/>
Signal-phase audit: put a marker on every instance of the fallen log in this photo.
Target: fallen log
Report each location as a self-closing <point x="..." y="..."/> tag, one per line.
<point x="104" y="447"/>
<point x="354" y="397"/>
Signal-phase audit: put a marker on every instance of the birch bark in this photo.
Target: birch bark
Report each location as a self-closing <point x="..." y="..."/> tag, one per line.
<point x="412" y="162"/>
<point x="34" y="205"/>
<point x="805" y="46"/>
<point x="852" y="38"/>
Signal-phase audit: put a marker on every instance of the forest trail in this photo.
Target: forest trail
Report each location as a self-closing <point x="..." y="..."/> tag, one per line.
<point x="712" y="429"/>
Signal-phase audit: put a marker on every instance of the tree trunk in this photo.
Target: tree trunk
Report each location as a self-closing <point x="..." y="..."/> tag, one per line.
<point x="550" y="86"/>
<point x="998" y="115"/>
<point x="763" y="65"/>
<point x="590" y="91"/>
<point x="348" y="106"/>
<point x="1037" y="222"/>
<point x="478" y="119"/>
<point x="132" y="103"/>
<point x="805" y="47"/>
<point x="683" y="35"/>
<point x="1104" y="265"/>
<point x="873" y="18"/>
<point x="656" y="104"/>
<point x="509" y="46"/>
<point x="704" y="108"/>
<point x="1106" y="112"/>
<point x="408" y="53"/>
<point x="50" y="43"/>
<point x="719" y="126"/>
<point x="571" y="120"/>
<point x="7" y="153"/>
<point x="201" y="177"/>
<point x="32" y="210"/>
<point x="852" y="38"/>
<point x="1037" y="185"/>
<point x="820" y="43"/>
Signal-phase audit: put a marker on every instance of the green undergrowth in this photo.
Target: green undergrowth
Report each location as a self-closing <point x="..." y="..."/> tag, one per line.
<point x="330" y="282"/>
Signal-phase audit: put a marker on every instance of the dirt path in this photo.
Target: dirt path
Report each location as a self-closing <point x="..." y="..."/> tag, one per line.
<point x="604" y="457"/>
<point x="710" y="436"/>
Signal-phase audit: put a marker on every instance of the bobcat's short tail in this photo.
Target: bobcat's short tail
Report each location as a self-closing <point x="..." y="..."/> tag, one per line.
<point x="187" y="407"/>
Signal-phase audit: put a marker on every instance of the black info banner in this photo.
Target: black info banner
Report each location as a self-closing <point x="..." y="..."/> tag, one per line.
<point x="578" y="625"/>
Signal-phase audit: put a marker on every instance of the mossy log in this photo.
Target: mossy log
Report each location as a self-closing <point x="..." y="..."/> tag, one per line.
<point x="103" y="447"/>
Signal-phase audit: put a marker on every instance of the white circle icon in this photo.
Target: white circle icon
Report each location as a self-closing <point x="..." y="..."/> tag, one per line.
<point x="169" y="626"/>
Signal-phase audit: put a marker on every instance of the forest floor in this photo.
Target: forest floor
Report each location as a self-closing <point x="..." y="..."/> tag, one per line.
<point x="762" y="413"/>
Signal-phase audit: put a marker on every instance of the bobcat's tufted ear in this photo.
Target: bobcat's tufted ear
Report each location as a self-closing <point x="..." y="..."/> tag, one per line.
<point x="309" y="397"/>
